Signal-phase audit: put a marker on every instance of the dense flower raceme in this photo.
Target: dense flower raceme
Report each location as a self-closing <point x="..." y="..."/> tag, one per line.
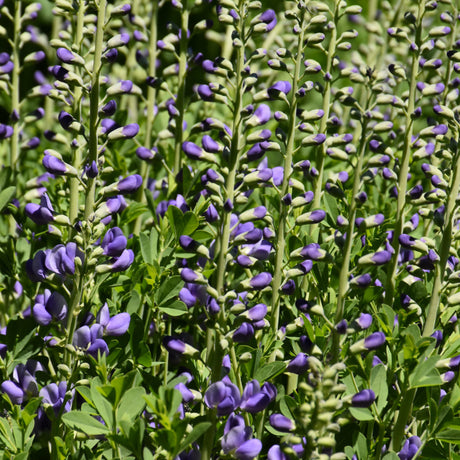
<point x="24" y="384"/>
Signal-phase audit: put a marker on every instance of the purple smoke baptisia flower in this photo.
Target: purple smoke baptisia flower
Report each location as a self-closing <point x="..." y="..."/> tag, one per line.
<point x="61" y="259"/>
<point x="114" y="242"/>
<point x="123" y="262"/>
<point x="244" y="333"/>
<point x="176" y="345"/>
<point x="49" y="306"/>
<point x="361" y="280"/>
<point x="223" y="395"/>
<point x="109" y="108"/>
<point x="312" y="217"/>
<point x="67" y="57"/>
<point x="192" y="293"/>
<point x="281" y="423"/>
<point x="42" y="213"/>
<point x="115" y="325"/>
<point x="256" y="399"/>
<point x="364" y="398"/>
<point x="267" y="21"/>
<point x="90" y="340"/>
<point x="23" y="385"/>
<point x="6" y="131"/>
<point x="282" y="86"/>
<point x="376" y="258"/>
<point x="55" y="166"/>
<point x="364" y="321"/>
<point x="146" y="154"/>
<point x="298" y="365"/>
<point x="238" y="441"/>
<point x="374" y="341"/>
<point x="54" y="395"/>
<point x="260" y="281"/>
<point x="124" y="132"/>
<point x="410" y="448"/>
<point x="261" y="116"/>
<point x="129" y="184"/>
<point x="275" y="453"/>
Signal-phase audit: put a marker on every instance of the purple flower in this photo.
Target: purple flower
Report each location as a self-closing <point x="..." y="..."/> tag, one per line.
<point x="115" y="325"/>
<point x="49" y="306"/>
<point x="260" y="281"/>
<point x="129" y="184"/>
<point x="312" y="217"/>
<point x="410" y="448"/>
<point x="54" y="395"/>
<point x="42" y="213"/>
<point x="123" y="262"/>
<point x="298" y="365"/>
<point x="61" y="259"/>
<point x="364" y="398"/>
<point x="114" y="242"/>
<point x="124" y="132"/>
<point x="237" y="439"/>
<point x="244" y="333"/>
<point x="364" y="321"/>
<point x="54" y="165"/>
<point x="281" y="423"/>
<point x="268" y="20"/>
<point x="376" y="258"/>
<point x="374" y="341"/>
<point x="254" y="398"/>
<point x="223" y="395"/>
<point x="23" y="384"/>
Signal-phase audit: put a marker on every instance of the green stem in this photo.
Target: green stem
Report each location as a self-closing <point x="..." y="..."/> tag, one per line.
<point x="72" y="315"/>
<point x="444" y="250"/>
<point x="77" y="154"/>
<point x="404" y="414"/>
<point x="281" y="230"/>
<point x="180" y="100"/>
<point x="14" y="153"/>
<point x="404" y="168"/>
<point x="321" y="151"/>
<point x="151" y="100"/>
<point x="344" y="269"/>
<point x="94" y="106"/>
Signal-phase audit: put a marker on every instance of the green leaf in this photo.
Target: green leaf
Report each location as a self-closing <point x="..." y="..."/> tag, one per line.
<point x="425" y="374"/>
<point x="6" y="195"/>
<point x="81" y="421"/>
<point x="181" y="224"/>
<point x="132" y="403"/>
<point x="169" y="289"/>
<point x="391" y="456"/>
<point x="379" y="385"/>
<point x="269" y="370"/>
<point x="146" y="248"/>
<point x="194" y="435"/>
<point x="177" y="308"/>
<point x="103" y="406"/>
<point x="361" y="447"/>
<point x="362" y="414"/>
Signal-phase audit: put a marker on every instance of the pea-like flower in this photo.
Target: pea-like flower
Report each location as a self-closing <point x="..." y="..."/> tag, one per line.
<point x="238" y="441"/>
<point x="410" y="448"/>
<point x="223" y="395"/>
<point x="281" y="423"/>
<point x="23" y="385"/>
<point x="115" y="325"/>
<point x="364" y="398"/>
<point x="114" y="242"/>
<point x="256" y="399"/>
<point x="48" y="307"/>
